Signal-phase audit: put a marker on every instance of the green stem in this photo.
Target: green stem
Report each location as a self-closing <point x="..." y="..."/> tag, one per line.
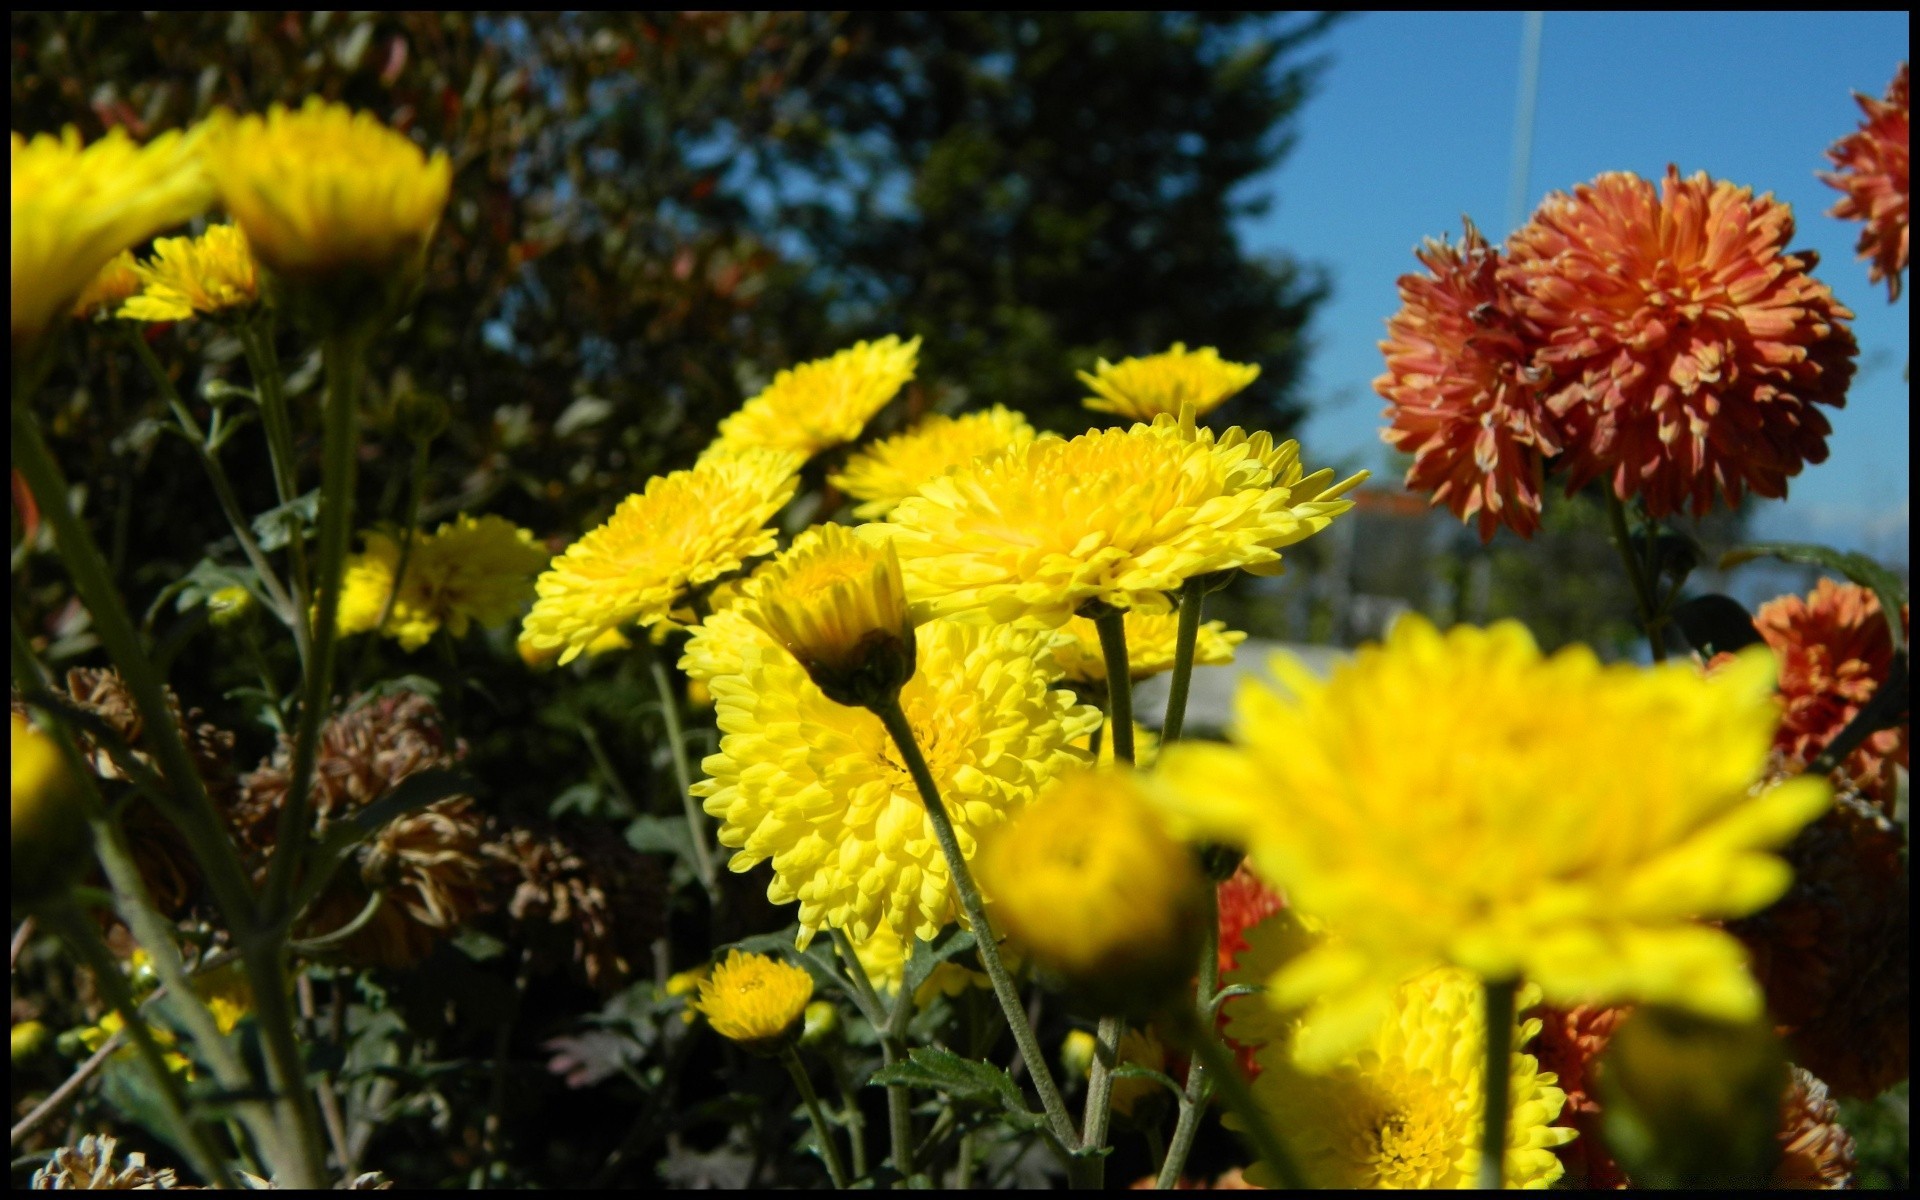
<point x="1224" y="1075"/>
<point x="344" y="367"/>
<point x="899" y="1100"/>
<point x="1642" y="590"/>
<point x="829" y="1149"/>
<point x="1499" y="1075"/>
<point x="264" y="365"/>
<point x="1192" y="598"/>
<point x="83" y="937"/>
<point x="1058" y="1120"/>
<point x="1193" y="1104"/>
<point x="682" y="771"/>
<point x="301" y="1162"/>
<point x="893" y="1044"/>
<point x="1112" y="624"/>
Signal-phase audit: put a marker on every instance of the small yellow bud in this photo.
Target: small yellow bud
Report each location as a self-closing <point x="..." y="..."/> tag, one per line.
<point x="50" y="841"/>
<point x="1089" y="884"/>
<point x="230" y="607"/>
<point x="836" y="601"/>
<point x="29" y="1039"/>
<point x="756" y="1001"/>
<point x="1077" y="1051"/>
<point x="822" y="1021"/>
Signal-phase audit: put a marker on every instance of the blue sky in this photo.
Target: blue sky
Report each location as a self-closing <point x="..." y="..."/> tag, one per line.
<point x="1412" y="126"/>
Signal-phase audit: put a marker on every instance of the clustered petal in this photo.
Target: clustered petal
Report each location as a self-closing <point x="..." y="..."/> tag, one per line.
<point x="110" y="287"/>
<point x="883" y="474"/>
<point x="471" y="570"/>
<point x="824" y="403"/>
<point x="1873" y="174"/>
<point x="819" y="788"/>
<point x="1462" y="799"/>
<point x="685" y="530"/>
<point x="1466" y="399"/>
<point x="753" y="999"/>
<point x="210" y="274"/>
<point x="1140" y="389"/>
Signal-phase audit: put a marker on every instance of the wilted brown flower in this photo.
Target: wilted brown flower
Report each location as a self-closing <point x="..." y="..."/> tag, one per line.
<point x="583" y="896"/>
<point x="1466" y="397"/>
<point x="1815" y="1151"/>
<point x="1689" y="347"/>
<point x="1571" y="1040"/>
<point x="1873" y="174"/>
<point x="428" y="865"/>
<point x="89" y="1166"/>
<point x="1831" y="954"/>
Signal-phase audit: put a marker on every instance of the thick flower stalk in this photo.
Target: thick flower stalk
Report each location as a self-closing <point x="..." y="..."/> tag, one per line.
<point x="1140" y="389"/>
<point x="886" y="472"/>
<point x="1461" y="799"/>
<point x="1689" y="347"/>
<point x="1150" y="647"/>
<point x="75" y="207"/>
<point x="1122" y="516"/>
<point x="825" y="403"/>
<point x="470" y="571"/>
<point x="1872" y="162"/>
<point x="1402" y="1109"/>
<point x="210" y="275"/>
<point x="685" y="530"/>
<point x="1465" y="398"/>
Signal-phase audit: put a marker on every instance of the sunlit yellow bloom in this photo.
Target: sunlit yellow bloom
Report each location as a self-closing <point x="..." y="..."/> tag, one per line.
<point x="1140" y="389"/>
<point x="49" y="844"/>
<point x="1120" y="515"/>
<point x="887" y="472"/>
<point x="210" y="274"/>
<point x="836" y="602"/>
<point x="820" y="789"/>
<point x="884" y="958"/>
<point x="1462" y="799"/>
<point x="823" y="403"/>
<point x="1150" y="639"/>
<point x="327" y="194"/>
<point x="755" y="1000"/>
<point x="115" y="282"/>
<point x="1088" y="883"/>
<point x="1404" y="1109"/>
<point x="684" y="530"/>
<point x="76" y="207"/>
<point x="721" y="644"/>
<point x="472" y="570"/>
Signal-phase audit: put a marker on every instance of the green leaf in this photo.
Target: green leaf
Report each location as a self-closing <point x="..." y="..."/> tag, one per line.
<point x="661" y="835"/>
<point x="928" y="956"/>
<point x="274" y="528"/>
<point x="1716" y="624"/>
<point x="1856" y="567"/>
<point x="961" y="1078"/>
<point x="1136" y="1071"/>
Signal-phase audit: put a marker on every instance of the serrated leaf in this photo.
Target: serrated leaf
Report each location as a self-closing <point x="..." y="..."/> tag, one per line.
<point x="962" y="1078"/>
<point x="1715" y="624"/>
<point x="1856" y="567"/>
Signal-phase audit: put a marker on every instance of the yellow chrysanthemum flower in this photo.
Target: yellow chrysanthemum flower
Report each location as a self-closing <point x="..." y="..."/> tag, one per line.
<point x="819" y="787"/>
<point x="211" y="274"/>
<point x="1150" y="640"/>
<point x="1087" y="882"/>
<point x="328" y="195"/>
<point x="1462" y="799"/>
<point x="884" y="958"/>
<point x="472" y="570"/>
<point x="76" y="207"/>
<point x="1140" y="389"/>
<point x="1119" y="515"/>
<point x="836" y="602"/>
<point x="823" y="403"/>
<point x="722" y="643"/>
<point x="1404" y="1110"/>
<point x="49" y="846"/>
<point x="114" y="283"/>
<point x="887" y="472"/>
<point x="755" y="1000"/>
<point x="686" y="529"/>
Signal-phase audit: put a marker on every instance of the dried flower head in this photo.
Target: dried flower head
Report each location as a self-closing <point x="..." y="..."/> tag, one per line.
<point x="75" y="207"/>
<point x="1466" y="399"/>
<point x="756" y="1001"/>
<point x="584" y="897"/>
<point x="1816" y="1151"/>
<point x="470" y="571"/>
<point x="210" y="275"/>
<point x="886" y="472"/>
<point x="1873" y="174"/>
<point x="1463" y="799"/>
<point x="94" y="1164"/>
<point x="1688" y="346"/>
<point x="1140" y="389"/>
<point x="685" y="530"/>
<point x="823" y="403"/>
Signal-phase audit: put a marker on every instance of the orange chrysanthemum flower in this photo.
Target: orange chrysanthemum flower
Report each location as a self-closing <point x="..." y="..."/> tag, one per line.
<point x="1835" y="650"/>
<point x="1873" y="174"/>
<point x="1571" y="1041"/>
<point x="1688" y="345"/>
<point x="1465" y="397"/>
<point x="1245" y="901"/>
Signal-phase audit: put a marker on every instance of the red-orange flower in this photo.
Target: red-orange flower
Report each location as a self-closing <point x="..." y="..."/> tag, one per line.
<point x="1571" y="1041"/>
<point x="1245" y="901"/>
<point x="1873" y="174"/>
<point x="1465" y="398"/>
<point x="1688" y="345"/>
<point x="1835" y="650"/>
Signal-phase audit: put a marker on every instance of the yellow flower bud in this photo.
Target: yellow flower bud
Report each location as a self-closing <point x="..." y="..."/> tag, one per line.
<point x="756" y="1001"/>
<point x="50" y="844"/>
<point x="835" y="600"/>
<point x="822" y="1021"/>
<point x="230" y="607"/>
<point x="29" y="1039"/>
<point x="1089" y="884"/>
<point x="1077" y="1052"/>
